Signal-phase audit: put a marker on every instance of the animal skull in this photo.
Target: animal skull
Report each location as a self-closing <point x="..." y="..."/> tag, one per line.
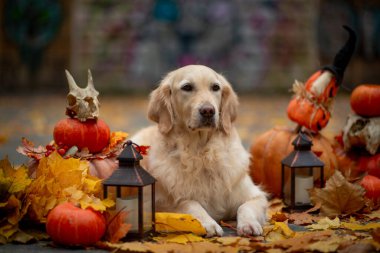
<point x="83" y="103"/>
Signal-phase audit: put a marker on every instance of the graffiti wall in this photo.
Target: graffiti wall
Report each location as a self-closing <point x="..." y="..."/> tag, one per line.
<point x="259" y="45"/>
<point x="130" y="45"/>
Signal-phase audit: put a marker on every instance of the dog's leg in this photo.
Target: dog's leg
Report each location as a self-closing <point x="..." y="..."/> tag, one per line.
<point x="251" y="215"/>
<point x="195" y="209"/>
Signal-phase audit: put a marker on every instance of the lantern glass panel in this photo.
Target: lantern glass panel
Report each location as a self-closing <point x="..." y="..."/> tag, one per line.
<point x="147" y="208"/>
<point x="128" y="201"/>
<point x="303" y="180"/>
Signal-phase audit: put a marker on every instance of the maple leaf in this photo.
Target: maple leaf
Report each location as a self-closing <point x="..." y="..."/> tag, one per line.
<point x="279" y="231"/>
<point x="142" y="149"/>
<point x="13" y="184"/>
<point x="275" y="206"/>
<point x="338" y="197"/>
<point x="117" y="228"/>
<point x="325" y="223"/>
<point x="177" y="222"/>
<point x="302" y="242"/>
<point x="356" y="226"/>
<point x="59" y="180"/>
<point x="302" y="218"/>
<point x="178" y="238"/>
<point x="28" y="149"/>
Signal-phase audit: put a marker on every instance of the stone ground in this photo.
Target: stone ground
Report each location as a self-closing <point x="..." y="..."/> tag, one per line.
<point x="34" y="117"/>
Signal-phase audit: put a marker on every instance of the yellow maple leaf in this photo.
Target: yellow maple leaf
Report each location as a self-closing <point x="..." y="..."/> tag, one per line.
<point x="17" y="177"/>
<point x="59" y="180"/>
<point x="325" y="223"/>
<point x="356" y="226"/>
<point x="177" y="222"/>
<point x="13" y="184"/>
<point x="279" y="231"/>
<point x="179" y="238"/>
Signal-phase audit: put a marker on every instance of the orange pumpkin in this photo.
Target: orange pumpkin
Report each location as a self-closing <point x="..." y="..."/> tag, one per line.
<point x="365" y="100"/>
<point x="272" y="146"/>
<point x="307" y="114"/>
<point x="70" y="225"/>
<point x="93" y="134"/>
<point x="371" y="184"/>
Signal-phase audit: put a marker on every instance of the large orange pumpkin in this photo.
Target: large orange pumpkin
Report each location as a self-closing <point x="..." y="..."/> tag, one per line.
<point x="72" y="226"/>
<point x="274" y="145"/>
<point x="365" y="100"/>
<point x="93" y="134"/>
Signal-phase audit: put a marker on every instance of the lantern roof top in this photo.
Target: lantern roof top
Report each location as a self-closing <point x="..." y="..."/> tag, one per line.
<point x="302" y="141"/>
<point x="302" y="156"/>
<point x="129" y="154"/>
<point x="130" y="172"/>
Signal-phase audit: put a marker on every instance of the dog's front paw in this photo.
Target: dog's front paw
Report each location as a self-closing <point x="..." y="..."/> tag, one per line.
<point x="251" y="218"/>
<point x="252" y="227"/>
<point x="212" y="228"/>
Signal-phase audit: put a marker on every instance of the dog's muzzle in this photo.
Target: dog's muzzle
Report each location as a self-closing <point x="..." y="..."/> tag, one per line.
<point x="207" y="113"/>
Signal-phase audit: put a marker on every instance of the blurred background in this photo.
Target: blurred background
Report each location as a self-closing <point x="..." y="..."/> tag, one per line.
<point x="261" y="46"/>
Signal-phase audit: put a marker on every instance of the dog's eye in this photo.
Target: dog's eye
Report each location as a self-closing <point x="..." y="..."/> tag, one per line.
<point x="187" y="87"/>
<point x="215" y="87"/>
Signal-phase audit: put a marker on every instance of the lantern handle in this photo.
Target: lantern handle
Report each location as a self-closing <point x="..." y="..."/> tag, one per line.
<point x="129" y="142"/>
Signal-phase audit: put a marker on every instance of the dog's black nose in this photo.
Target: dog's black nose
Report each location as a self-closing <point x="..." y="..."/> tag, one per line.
<point x="207" y="111"/>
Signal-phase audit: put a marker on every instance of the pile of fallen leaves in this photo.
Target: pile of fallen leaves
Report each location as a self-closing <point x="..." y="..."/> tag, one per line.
<point x="60" y="180"/>
<point x="342" y="220"/>
<point x="56" y="180"/>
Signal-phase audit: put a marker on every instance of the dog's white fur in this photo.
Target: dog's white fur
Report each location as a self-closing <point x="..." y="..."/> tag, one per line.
<point x="201" y="168"/>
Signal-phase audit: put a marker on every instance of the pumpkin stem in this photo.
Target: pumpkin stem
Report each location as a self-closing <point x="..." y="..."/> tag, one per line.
<point x="297" y="129"/>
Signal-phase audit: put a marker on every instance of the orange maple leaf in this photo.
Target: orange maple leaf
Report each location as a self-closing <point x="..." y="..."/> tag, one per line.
<point x="117" y="228"/>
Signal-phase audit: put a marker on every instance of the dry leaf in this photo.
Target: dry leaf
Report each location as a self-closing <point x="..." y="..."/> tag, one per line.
<point x="332" y="243"/>
<point x="338" y="197"/>
<point x="356" y="226"/>
<point x="300" y="243"/>
<point x="59" y="180"/>
<point x="281" y="217"/>
<point x="325" y="223"/>
<point x="116" y="227"/>
<point x="178" y="238"/>
<point x="13" y="185"/>
<point x="275" y="206"/>
<point x="279" y="231"/>
<point x="302" y="218"/>
<point x="177" y="222"/>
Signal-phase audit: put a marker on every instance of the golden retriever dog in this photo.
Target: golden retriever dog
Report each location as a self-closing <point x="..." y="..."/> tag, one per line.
<point x="196" y="154"/>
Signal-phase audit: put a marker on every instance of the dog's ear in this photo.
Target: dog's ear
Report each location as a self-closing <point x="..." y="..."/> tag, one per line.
<point x="229" y="106"/>
<point x="160" y="108"/>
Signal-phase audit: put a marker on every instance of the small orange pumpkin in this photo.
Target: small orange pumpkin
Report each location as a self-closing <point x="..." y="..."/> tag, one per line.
<point x="365" y="100"/>
<point x="308" y="114"/>
<point x="93" y="134"/>
<point x="70" y="225"/>
<point x="274" y="145"/>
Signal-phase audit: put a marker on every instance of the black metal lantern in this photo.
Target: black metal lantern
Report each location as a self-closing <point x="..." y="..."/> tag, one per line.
<point x="301" y="162"/>
<point x="133" y="190"/>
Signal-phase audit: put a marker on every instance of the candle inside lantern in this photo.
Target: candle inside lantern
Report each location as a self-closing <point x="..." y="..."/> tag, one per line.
<point x="129" y="205"/>
<point x="302" y="184"/>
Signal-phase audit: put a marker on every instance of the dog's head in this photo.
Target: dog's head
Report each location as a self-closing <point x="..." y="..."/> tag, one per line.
<point x="193" y="97"/>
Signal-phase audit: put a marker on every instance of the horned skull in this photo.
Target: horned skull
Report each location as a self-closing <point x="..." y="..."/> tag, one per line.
<point x="83" y="103"/>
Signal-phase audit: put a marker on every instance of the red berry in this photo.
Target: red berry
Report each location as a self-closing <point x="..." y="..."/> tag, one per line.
<point x="49" y="147"/>
<point x="48" y="153"/>
<point x="66" y="148"/>
<point x="61" y="151"/>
